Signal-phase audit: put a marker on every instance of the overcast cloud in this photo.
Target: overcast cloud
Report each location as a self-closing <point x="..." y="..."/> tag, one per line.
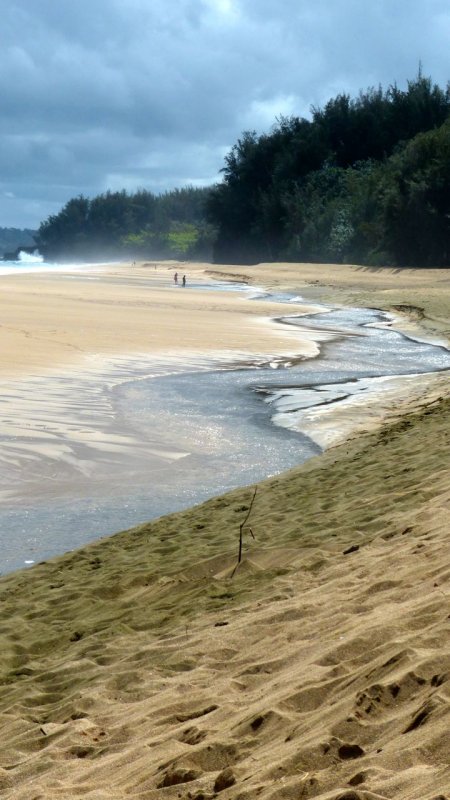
<point x="112" y="94"/>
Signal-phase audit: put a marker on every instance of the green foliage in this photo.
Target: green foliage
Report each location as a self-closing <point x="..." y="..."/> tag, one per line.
<point x="366" y="180"/>
<point x="416" y="203"/>
<point x="183" y="239"/>
<point x="171" y="225"/>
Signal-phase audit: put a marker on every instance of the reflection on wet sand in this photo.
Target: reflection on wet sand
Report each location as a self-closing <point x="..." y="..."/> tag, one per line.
<point x="128" y="439"/>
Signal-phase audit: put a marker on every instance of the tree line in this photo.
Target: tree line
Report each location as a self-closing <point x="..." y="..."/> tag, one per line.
<point x="140" y="224"/>
<point x="12" y="239"/>
<point x="365" y="180"/>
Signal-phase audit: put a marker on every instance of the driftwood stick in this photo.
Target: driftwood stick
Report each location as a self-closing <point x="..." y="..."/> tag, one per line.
<point x="241" y="530"/>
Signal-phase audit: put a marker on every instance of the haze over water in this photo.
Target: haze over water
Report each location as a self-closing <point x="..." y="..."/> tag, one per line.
<point x="34" y="262"/>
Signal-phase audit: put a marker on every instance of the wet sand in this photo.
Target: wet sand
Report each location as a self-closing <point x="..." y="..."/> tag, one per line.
<point x="68" y="338"/>
<point x="55" y="320"/>
<point x="144" y="666"/>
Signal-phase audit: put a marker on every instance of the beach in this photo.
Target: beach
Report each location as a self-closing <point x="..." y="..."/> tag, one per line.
<point x="56" y="320"/>
<point x="76" y="460"/>
<point x="149" y="664"/>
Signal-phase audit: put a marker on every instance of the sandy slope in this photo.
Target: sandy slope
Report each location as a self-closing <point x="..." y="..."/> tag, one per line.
<point x="140" y="667"/>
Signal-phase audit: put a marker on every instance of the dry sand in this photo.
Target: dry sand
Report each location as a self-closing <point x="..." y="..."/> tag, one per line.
<point x="55" y="320"/>
<point x="142" y="667"/>
<point x="67" y="338"/>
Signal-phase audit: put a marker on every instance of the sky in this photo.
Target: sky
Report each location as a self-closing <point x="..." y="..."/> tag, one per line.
<point x="101" y="95"/>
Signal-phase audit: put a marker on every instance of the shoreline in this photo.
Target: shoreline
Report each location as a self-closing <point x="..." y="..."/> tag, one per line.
<point x="137" y="666"/>
<point x="130" y="306"/>
<point x="418" y="296"/>
<point x="66" y="451"/>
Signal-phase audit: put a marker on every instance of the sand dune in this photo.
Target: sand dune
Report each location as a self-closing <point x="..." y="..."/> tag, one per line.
<point x="141" y="666"/>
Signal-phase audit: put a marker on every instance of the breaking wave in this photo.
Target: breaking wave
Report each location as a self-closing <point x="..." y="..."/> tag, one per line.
<point x="30" y="258"/>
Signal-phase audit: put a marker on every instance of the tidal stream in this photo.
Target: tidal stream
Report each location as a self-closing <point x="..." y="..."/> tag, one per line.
<point x="208" y="428"/>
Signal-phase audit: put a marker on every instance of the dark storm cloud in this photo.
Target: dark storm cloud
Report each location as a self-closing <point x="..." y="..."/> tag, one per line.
<point x="104" y="94"/>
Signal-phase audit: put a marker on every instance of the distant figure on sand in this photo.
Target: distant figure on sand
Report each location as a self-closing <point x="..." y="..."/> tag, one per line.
<point x="175" y="277"/>
<point x="184" y="280"/>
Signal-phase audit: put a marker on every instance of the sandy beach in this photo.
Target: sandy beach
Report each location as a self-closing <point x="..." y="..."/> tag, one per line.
<point x="146" y="665"/>
<point x="68" y="338"/>
<point x="57" y="320"/>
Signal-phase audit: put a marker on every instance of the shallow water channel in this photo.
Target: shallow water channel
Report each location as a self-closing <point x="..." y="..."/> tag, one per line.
<point x="218" y="425"/>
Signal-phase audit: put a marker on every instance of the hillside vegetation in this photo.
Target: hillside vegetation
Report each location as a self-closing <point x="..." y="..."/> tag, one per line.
<point x="365" y="180"/>
<point x="171" y="225"/>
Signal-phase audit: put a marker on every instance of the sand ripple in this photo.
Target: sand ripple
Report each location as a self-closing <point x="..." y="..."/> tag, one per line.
<point x="137" y="667"/>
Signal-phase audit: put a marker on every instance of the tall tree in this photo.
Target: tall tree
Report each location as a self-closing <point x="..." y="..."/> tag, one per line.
<point x="417" y="201"/>
<point x="280" y="197"/>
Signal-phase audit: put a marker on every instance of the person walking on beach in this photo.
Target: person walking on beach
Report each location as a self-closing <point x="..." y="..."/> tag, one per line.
<point x="175" y="277"/>
<point x="184" y="280"/>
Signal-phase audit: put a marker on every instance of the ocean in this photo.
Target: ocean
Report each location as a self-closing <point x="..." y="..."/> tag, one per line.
<point x="34" y="262"/>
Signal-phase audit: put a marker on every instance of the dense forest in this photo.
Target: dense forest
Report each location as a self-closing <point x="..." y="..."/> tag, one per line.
<point x="365" y="180"/>
<point x="139" y="225"/>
